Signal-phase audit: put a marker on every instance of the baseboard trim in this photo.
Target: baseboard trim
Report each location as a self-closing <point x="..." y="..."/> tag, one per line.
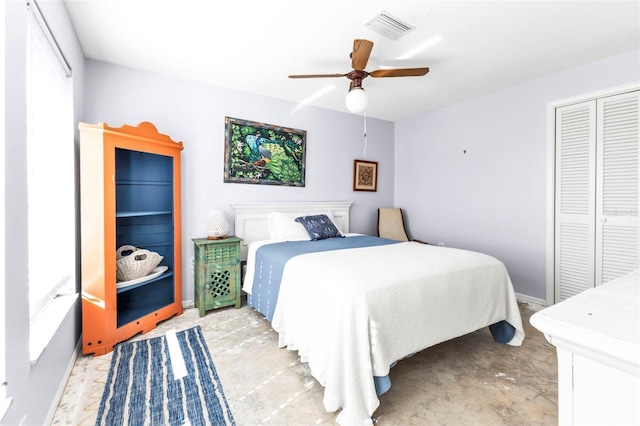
<point x="533" y="302"/>
<point x="63" y="384"/>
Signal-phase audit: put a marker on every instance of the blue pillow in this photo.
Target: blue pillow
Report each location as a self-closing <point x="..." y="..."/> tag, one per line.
<point x="319" y="227"/>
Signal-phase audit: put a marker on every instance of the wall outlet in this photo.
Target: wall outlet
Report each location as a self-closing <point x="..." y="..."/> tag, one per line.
<point x="440" y="244"/>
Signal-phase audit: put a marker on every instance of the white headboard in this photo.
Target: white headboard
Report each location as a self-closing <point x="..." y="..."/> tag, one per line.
<point x="251" y="222"/>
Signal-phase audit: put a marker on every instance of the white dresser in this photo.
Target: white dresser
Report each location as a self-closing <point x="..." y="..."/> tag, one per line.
<point x="597" y="337"/>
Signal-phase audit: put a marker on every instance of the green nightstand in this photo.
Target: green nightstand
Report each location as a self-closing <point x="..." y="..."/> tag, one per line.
<point x="216" y="273"/>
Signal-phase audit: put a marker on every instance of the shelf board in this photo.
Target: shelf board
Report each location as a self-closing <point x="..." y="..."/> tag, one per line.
<point x="144" y="182"/>
<point x="142" y="213"/>
<point x="153" y="280"/>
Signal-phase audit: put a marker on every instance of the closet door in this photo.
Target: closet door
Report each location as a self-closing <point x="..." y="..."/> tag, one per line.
<point x="596" y="205"/>
<point x="575" y="199"/>
<point x="616" y="186"/>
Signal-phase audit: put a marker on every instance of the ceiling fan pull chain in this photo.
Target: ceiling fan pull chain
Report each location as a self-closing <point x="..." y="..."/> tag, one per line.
<point x="364" y="154"/>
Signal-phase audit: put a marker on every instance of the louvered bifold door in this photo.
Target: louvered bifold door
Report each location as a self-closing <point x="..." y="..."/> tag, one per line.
<point x="575" y="199"/>
<point x="616" y="186"/>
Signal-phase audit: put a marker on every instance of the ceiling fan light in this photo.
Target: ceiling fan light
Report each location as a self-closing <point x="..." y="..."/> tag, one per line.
<point x="356" y="100"/>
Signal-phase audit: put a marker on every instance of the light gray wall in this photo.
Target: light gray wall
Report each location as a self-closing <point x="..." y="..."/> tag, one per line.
<point x="195" y="112"/>
<point x="33" y="388"/>
<point x="493" y="197"/>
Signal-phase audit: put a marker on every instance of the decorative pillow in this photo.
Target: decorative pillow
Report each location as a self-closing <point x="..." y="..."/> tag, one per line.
<point x="319" y="227"/>
<point x="329" y="214"/>
<point x="282" y="227"/>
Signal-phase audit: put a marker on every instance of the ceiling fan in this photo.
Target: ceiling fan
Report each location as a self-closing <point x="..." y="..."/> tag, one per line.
<point x="356" y="100"/>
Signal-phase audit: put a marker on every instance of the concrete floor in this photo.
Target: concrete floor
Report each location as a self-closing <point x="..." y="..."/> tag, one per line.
<point x="470" y="380"/>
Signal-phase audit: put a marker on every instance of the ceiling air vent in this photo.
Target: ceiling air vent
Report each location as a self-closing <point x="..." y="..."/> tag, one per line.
<point x="389" y="26"/>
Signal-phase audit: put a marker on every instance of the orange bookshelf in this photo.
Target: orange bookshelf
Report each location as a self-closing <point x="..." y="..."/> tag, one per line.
<point x="130" y="195"/>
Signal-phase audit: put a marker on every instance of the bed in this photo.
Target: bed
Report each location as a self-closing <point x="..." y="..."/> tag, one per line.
<point x="353" y="305"/>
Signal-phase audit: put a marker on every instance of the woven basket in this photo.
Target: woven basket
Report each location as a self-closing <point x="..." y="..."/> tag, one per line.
<point x="122" y="251"/>
<point x="138" y="264"/>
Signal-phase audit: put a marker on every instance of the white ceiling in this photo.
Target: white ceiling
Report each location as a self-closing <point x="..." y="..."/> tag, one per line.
<point x="475" y="46"/>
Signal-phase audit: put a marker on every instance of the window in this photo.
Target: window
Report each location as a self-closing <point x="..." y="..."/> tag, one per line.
<point x="3" y="369"/>
<point x="50" y="172"/>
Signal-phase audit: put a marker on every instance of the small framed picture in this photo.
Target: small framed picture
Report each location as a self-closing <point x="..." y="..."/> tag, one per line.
<point x="365" y="175"/>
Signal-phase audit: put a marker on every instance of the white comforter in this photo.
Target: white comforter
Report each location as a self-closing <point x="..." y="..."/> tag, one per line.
<point x="351" y="313"/>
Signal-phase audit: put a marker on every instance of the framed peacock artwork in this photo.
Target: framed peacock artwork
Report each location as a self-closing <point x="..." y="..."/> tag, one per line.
<point x="262" y="153"/>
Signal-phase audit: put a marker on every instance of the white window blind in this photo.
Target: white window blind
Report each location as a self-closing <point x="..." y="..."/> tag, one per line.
<point x="3" y="301"/>
<point x="50" y="166"/>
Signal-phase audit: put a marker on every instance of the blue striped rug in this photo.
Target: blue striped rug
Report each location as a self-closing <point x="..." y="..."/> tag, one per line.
<point x="141" y="389"/>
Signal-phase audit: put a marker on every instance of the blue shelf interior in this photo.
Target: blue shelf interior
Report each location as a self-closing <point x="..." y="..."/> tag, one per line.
<point x="144" y="219"/>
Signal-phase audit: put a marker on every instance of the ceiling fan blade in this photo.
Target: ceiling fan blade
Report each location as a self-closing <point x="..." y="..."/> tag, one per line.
<point x="316" y="75"/>
<point x="360" y="55"/>
<point x="400" y="72"/>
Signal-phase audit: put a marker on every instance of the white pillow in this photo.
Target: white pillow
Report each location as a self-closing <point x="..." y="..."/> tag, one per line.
<point x="283" y="227"/>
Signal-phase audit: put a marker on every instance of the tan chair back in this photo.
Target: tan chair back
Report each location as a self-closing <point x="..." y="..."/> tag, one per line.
<point x="391" y="224"/>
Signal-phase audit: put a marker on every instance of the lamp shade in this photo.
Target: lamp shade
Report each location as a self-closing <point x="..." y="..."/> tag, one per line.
<point x="218" y="226"/>
<point x="356" y="100"/>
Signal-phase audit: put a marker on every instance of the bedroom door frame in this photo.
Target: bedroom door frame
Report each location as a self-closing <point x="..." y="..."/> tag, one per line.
<point x="551" y="181"/>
